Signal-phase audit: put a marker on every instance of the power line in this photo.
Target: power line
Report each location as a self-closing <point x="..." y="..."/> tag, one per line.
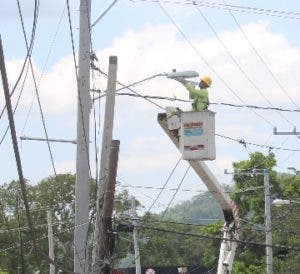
<point x="103" y="14"/>
<point x="124" y="86"/>
<point x="243" y="142"/>
<point x="254" y="85"/>
<point x="41" y="238"/>
<point x="17" y="103"/>
<point x="162" y="188"/>
<point x="243" y="9"/>
<point x="173" y="197"/>
<point x="175" y="193"/>
<point x="44" y="66"/>
<point x="135" y="92"/>
<point x="212" y="237"/>
<point x="260" y="57"/>
<point x="207" y="63"/>
<point x="29" y="51"/>
<point x="165" y="184"/>
<point x="15" y="145"/>
<point x="25" y="228"/>
<point x="36" y="90"/>
<point x="173" y="99"/>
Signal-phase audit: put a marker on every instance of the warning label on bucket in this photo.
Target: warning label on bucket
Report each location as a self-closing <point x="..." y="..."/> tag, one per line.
<point x="193" y="129"/>
<point x="193" y="148"/>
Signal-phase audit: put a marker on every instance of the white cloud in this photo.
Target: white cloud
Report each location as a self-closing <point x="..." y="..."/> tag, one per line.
<point x="147" y="154"/>
<point x="65" y="167"/>
<point x="9" y="9"/>
<point x="155" y="49"/>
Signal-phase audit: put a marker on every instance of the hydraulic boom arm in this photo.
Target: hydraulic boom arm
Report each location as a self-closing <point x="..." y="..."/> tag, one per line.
<point x="230" y="210"/>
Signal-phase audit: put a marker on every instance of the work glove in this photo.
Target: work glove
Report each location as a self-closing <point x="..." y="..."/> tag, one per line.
<point x="181" y="80"/>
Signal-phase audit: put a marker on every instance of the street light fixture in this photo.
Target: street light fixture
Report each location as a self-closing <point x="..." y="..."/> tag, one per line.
<point x="279" y="202"/>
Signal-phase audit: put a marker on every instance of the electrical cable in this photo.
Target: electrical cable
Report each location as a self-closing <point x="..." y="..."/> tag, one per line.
<point x="243" y="9"/>
<point x="38" y="239"/>
<point x="28" y="54"/>
<point x="44" y="66"/>
<point x="103" y="14"/>
<point x="173" y="99"/>
<point x="172" y="199"/>
<point x="212" y="237"/>
<point x="135" y="92"/>
<point x="16" y="151"/>
<point x="128" y="86"/>
<point x="254" y="85"/>
<point x="175" y="193"/>
<point x="207" y="63"/>
<point x="243" y="142"/>
<point x="165" y="184"/>
<point x="260" y="57"/>
<point x="37" y="93"/>
<point x="226" y="137"/>
<point x="17" y="103"/>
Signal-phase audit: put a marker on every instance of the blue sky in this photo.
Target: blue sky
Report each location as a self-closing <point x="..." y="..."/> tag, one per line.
<point x="147" y="43"/>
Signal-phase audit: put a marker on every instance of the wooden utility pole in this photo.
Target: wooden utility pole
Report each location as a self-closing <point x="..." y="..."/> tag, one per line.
<point x="15" y="147"/>
<point x="106" y="237"/>
<point x="135" y="223"/>
<point x="50" y="241"/>
<point x="104" y="167"/>
<point x="82" y="158"/>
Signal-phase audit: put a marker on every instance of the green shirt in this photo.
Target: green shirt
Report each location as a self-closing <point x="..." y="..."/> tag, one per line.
<point x="200" y="97"/>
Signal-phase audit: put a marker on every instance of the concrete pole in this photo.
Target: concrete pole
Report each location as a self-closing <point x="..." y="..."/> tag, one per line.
<point x="50" y="241"/>
<point x="135" y="223"/>
<point x="106" y="142"/>
<point x="82" y="158"/>
<point x="269" y="251"/>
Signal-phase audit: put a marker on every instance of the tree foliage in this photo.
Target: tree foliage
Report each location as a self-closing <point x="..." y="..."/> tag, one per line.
<point x="159" y="243"/>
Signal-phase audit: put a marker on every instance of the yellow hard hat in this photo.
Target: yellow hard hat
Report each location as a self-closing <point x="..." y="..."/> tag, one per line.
<point x="207" y="80"/>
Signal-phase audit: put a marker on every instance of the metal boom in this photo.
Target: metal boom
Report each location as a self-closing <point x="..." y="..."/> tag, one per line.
<point x="230" y="210"/>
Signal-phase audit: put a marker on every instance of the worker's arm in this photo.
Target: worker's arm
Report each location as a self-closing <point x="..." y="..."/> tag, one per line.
<point x="190" y="86"/>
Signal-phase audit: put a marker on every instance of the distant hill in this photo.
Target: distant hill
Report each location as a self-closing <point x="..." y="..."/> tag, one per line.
<point x="201" y="209"/>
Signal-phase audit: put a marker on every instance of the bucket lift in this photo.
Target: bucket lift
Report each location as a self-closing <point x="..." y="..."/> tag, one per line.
<point x="193" y="133"/>
<point x="170" y="121"/>
<point x="230" y="210"/>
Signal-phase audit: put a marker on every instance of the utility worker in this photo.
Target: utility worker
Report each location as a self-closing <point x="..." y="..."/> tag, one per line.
<point x="200" y="96"/>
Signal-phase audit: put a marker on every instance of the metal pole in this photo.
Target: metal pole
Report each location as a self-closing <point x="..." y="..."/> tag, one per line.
<point x="50" y="241"/>
<point x="106" y="142"/>
<point x="269" y="251"/>
<point x="82" y="156"/>
<point x="135" y="237"/>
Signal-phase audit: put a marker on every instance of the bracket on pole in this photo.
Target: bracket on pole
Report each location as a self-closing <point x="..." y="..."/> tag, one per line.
<point x="294" y="132"/>
<point x="47" y="140"/>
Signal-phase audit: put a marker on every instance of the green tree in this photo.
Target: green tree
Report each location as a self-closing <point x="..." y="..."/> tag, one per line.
<point x="250" y="258"/>
<point x="251" y="204"/>
<point x="55" y="193"/>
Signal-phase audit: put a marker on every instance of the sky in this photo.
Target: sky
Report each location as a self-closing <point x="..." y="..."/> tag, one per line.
<point x="150" y="39"/>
